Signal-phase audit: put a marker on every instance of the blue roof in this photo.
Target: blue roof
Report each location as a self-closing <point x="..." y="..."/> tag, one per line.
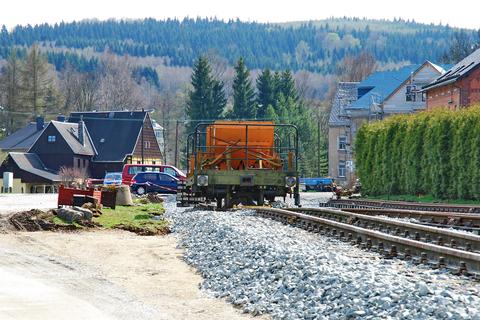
<point x="382" y="84"/>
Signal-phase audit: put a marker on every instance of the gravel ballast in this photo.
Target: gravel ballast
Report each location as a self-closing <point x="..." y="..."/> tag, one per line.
<point x="263" y="267"/>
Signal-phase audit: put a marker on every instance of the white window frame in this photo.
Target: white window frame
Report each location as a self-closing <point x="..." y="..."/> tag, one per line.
<point x="345" y="143"/>
<point x="52" y="139"/>
<point x="342" y="172"/>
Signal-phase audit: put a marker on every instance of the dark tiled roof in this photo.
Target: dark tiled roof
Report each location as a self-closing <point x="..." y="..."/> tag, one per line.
<point x="114" y="134"/>
<point x="31" y="163"/>
<point x="457" y="71"/>
<point x="23" y="138"/>
<point x="345" y="95"/>
<point x="69" y="132"/>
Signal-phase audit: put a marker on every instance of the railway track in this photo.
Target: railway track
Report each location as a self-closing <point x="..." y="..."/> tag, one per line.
<point x="421" y="244"/>
<point x="403" y="205"/>
<point x="456" y="220"/>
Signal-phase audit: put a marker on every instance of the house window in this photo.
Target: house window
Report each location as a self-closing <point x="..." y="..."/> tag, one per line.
<point x="147" y="144"/>
<point x="424" y="96"/>
<point x="84" y="163"/>
<point x="342" y="169"/>
<point x="342" y="143"/>
<point x="411" y="94"/>
<point x="78" y="163"/>
<point x="52" y="139"/>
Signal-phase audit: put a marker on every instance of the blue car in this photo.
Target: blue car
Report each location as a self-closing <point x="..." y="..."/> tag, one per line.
<point x="145" y="182"/>
<point x="113" y="178"/>
<point x="317" y="184"/>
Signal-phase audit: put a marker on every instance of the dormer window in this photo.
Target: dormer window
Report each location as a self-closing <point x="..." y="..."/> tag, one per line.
<point x="52" y="139"/>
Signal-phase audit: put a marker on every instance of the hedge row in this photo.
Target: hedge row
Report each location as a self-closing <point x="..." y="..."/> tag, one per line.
<point x="435" y="153"/>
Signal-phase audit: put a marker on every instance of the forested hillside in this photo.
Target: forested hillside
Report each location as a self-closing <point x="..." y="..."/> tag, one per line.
<point x="315" y="46"/>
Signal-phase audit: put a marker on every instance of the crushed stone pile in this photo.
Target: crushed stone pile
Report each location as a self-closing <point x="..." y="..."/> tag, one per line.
<point x="262" y="266"/>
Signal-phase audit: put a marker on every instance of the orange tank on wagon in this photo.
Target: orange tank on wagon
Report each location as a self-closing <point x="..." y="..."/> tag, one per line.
<point x="247" y="162"/>
<point x="250" y="145"/>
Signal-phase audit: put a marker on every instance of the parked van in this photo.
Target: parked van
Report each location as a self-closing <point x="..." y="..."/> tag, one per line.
<point x="130" y="170"/>
<point x="145" y="182"/>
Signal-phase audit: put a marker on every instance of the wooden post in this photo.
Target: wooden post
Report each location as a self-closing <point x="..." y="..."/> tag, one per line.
<point x="176" y="144"/>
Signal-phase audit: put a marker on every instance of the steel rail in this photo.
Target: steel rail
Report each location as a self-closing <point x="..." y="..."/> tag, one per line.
<point x="439" y="207"/>
<point x="449" y="219"/>
<point x="460" y="261"/>
<point x="419" y="232"/>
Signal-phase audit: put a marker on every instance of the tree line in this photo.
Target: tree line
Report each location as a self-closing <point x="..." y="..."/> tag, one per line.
<point x="430" y="153"/>
<point x="30" y="86"/>
<point x="308" y="46"/>
<point x="273" y="97"/>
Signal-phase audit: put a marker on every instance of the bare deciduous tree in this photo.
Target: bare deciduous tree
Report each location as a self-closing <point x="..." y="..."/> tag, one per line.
<point x="117" y="89"/>
<point x="356" y="68"/>
<point x="73" y="177"/>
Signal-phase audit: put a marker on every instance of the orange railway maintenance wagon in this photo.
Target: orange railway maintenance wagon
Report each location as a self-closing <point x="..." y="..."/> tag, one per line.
<point x="248" y="162"/>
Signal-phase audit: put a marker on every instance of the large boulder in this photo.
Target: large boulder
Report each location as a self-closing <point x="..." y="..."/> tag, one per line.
<point x="74" y="214"/>
<point x="87" y="214"/>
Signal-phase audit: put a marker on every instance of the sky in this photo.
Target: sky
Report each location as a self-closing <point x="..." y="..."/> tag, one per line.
<point x="459" y="13"/>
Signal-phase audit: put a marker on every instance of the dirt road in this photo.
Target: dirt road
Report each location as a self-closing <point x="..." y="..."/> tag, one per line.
<point x="100" y="275"/>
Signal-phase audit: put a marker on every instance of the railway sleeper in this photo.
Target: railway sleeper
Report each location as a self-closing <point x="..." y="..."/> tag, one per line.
<point x="423" y="233"/>
<point x="433" y="255"/>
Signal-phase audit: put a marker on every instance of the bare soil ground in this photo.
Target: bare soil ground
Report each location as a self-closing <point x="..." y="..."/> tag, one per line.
<point x="100" y="275"/>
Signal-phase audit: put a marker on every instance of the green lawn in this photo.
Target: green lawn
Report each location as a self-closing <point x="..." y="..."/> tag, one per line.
<point x="146" y="219"/>
<point x="422" y="198"/>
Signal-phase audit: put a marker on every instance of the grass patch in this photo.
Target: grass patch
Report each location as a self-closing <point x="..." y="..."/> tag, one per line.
<point x="422" y="198"/>
<point x="138" y="219"/>
<point x="60" y="222"/>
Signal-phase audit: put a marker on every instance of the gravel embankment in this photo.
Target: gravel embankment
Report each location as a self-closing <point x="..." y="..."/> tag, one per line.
<point x="263" y="266"/>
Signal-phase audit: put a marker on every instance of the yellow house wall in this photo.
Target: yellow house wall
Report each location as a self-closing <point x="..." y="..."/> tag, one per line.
<point x="18" y="186"/>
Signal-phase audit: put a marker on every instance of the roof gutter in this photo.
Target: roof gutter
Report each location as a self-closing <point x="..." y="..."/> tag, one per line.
<point x="438" y="84"/>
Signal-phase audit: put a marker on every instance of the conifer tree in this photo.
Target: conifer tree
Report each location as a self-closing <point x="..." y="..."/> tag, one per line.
<point x="266" y="93"/>
<point x="286" y="86"/>
<point x="11" y="85"/>
<point x="36" y="81"/>
<point x="207" y="99"/>
<point x="244" y="106"/>
<point x="219" y="99"/>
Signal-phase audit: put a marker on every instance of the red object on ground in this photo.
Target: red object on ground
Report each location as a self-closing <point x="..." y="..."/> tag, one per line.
<point x="65" y="195"/>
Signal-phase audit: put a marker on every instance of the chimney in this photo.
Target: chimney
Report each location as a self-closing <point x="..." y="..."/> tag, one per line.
<point x="61" y="118"/>
<point x="81" y="131"/>
<point x="40" y="123"/>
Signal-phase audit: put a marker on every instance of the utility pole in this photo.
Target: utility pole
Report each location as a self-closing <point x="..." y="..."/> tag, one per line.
<point x="176" y="143"/>
<point x="143" y="143"/>
<point x="318" y="146"/>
